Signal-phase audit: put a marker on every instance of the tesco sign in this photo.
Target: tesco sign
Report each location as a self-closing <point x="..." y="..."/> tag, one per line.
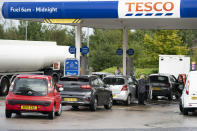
<point x="149" y="8"/>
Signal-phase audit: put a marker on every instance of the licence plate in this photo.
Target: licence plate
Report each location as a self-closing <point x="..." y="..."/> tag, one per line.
<point x="25" y="107"/>
<point x="70" y="99"/>
<point x="156" y="88"/>
<point x="194" y="98"/>
<point x="114" y="96"/>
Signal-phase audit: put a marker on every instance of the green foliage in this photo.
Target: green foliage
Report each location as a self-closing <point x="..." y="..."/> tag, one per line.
<point x="139" y="71"/>
<point x="163" y="42"/>
<point x="103" y="45"/>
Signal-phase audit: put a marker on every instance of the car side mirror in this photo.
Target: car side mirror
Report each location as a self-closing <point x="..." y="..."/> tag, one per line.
<point x="59" y="87"/>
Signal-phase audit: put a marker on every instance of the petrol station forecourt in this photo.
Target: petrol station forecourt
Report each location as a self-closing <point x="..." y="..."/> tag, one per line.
<point x="110" y="14"/>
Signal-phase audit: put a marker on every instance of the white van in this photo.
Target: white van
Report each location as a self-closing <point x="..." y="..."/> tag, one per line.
<point x="188" y="102"/>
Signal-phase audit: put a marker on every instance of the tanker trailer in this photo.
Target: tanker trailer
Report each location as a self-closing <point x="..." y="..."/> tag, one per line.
<point x="29" y="57"/>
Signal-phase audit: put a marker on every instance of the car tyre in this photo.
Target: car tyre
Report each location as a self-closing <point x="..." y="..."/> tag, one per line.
<point x="154" y="97"/>
<point x="110" y="103"/>
<point x="93" y="106"/>
<point x="51" y="114"/>
<point x="170" y="96"/>
<point x="128" y="102"/>
<point x="8" y="113"/>
<point x="185" y="111"/>
<point x="180" y="107"/>
<point x="75" y="107"/>
<point x="18" y="113"/>
<point x="59" y="112"/>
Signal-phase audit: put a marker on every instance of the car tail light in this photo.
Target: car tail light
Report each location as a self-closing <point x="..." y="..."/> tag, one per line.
<point x="124" y="88"/>
<point x="85" y="87"/>
<point x="187" y="88"/>
<point x="168" y="84"/>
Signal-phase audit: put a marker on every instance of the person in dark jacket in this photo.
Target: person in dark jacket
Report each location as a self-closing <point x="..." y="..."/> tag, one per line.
<point x="141" y="90"/>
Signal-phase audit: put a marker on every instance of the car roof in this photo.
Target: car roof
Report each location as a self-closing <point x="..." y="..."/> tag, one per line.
<point x="116" y="76"/>
<point x="82" y="76"/>
<point x="33" y="76"/>
<point x="102" y="73"/>
<point x="160" y="74"/>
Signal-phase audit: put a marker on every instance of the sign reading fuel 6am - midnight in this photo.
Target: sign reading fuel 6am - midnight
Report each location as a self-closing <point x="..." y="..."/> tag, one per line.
<point x="99" y="9"/>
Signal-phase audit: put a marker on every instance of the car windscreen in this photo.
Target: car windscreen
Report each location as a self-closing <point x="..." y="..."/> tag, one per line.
<point x="74" y="81"/>
<point x="30" y="87"/>
<point x="158" y="79"/>
<point x="114" y="81"/>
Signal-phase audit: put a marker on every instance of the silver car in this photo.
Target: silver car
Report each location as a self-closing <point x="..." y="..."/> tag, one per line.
<point x="123" y="88"/>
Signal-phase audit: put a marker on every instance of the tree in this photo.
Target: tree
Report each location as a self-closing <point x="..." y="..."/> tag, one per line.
<point x="103" y="45"/>
<point x="1" y="31"/>
<point x="34" y="31"/>
<point x="164" y="42"/>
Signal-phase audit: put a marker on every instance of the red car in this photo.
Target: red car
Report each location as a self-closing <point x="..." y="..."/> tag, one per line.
<point x="34" y="93"/>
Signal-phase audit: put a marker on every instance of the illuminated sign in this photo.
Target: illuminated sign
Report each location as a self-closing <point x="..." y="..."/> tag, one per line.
<point x="149" y="8"/>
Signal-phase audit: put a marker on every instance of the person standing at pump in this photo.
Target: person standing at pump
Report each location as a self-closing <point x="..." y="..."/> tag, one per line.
<point x="141" y="90"/>
<point x="118" y="71"/>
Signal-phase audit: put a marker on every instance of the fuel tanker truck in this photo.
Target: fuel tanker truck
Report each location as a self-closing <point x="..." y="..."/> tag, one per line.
<point x="30" y="57"/>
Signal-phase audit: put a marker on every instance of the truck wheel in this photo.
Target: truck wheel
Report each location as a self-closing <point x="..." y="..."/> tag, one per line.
<point x="59" y="112"/>
<point x="4" y="86"/>
<point x="51" y="114"/>
<point x="8" y="113"/>
<point x="93" y="106"/>
<point x="109" y="105"/>
<point x="185" y="111"/>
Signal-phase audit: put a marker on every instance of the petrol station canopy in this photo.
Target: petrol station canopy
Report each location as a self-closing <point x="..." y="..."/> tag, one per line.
<point x="108" y="14"/>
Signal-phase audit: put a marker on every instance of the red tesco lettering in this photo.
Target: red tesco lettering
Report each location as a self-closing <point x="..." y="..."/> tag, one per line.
<point x="150" y="6"/>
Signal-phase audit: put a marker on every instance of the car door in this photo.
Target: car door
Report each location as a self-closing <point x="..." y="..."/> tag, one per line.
<point x="105" y="92"/>
<point x="57" y="97"/>
<point x="132" y="87"/>
<point x="98" y="90"/>
<point x="174" y="83"/>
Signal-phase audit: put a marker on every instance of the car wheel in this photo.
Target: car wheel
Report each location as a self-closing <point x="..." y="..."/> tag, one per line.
<point x="170" y="97"/>
<point x="52" y="113"/>
<point x="110" y="102"/>
<point x="93" y="106"/>
<point x="128" y="102"/>
<point x="185" y="111"/>
<point x="8" y="114"/>
<point x="154" y="97"/>
<point x="180" y="107"/>
<point x="75" y="107"/>
<point x="59" y="112"/>
<point x="18" y="113"/>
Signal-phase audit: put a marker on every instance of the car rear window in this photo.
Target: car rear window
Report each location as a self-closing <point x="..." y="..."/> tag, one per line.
<point x="32" y="87"/>
<point x="159" y="79"/>
<point x="114" y="81"/>
<point x="74" y="81"/>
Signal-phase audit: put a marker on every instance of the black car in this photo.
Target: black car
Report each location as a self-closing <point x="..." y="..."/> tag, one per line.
<point x="85" y="91"/>
<point x="162" y="85"/>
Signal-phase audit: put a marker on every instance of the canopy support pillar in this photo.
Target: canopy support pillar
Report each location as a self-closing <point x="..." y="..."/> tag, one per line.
<point x="125" y="43"/>
<point x="78" y="42"/>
